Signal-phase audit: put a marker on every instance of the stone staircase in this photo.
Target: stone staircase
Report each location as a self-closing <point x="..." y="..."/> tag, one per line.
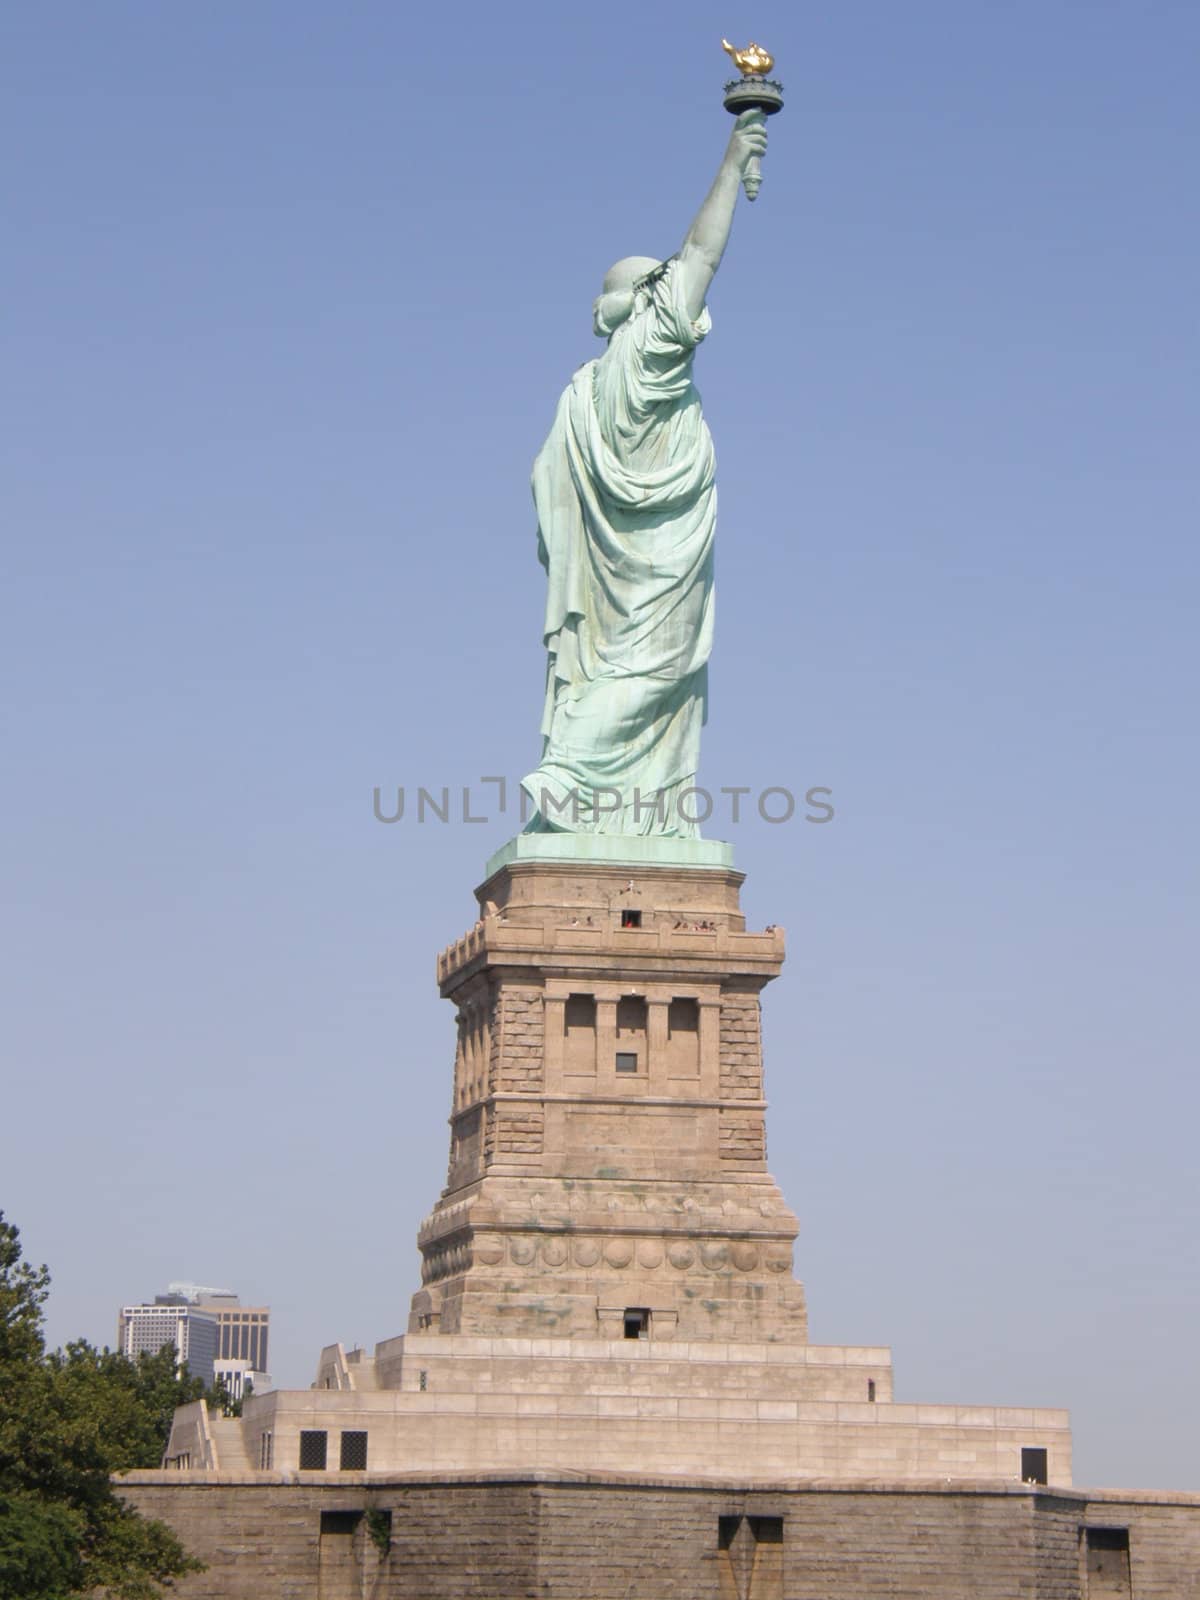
<point x="229" y="1444"/>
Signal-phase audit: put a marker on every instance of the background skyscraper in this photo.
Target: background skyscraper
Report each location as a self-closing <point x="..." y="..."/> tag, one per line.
<point x="205" y="1324"/>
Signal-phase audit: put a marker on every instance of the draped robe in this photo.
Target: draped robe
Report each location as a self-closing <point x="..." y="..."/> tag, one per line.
<point x="626" y="508"/>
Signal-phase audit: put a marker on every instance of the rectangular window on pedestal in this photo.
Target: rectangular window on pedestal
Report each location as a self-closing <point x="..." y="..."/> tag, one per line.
<point x="579" y="1034"/>
<point x="313" y="1449"/>
<point x="1107" y="1559"/>
<point x="750" y="1557"/>
<point x="631" y="1016"/>
<point x="354" y="1451"/>
<point x="683" y="1038"/>
<point x="637" y="1322"/>
<point x="631" y="1033"/>
<point x="338" y="1573"/>
<point x="340" y="1522"/>
<point x="1034" y="1467"/>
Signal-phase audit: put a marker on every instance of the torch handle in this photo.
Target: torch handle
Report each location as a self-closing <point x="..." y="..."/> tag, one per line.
<point x="753" y="93"/>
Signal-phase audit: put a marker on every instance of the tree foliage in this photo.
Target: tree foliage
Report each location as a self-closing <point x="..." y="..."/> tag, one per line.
<point x="69" y="1419"/>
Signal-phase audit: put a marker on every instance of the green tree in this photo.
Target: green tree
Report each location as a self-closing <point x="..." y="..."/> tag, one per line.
<point x="68" y="1420"/>
<point x="220" y="1398"/>
<point x="129" y="1405"/>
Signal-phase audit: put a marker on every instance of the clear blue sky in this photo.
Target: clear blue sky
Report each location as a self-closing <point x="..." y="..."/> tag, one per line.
<point x="290" y="290"/>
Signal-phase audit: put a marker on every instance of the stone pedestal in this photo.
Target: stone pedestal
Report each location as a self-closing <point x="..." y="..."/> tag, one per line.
<point x="608" y="1273"/>
<point x="608" y="1172"/>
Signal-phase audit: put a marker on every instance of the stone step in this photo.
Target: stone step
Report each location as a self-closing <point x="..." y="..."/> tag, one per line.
<point x="229" y="1443"/>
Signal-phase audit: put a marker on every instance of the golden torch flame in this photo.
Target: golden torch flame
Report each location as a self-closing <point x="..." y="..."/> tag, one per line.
<point x="753" y="61"/>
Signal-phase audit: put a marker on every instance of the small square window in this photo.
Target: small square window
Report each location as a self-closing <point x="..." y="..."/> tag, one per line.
<point x="627" y="1061"/>
<point x="637" y="1322"/>
<point x="631" y="919"/>
<point x="631" y="1015"/>
<point x="1107" y="1538"/>
<point x="580" y="1012"/>
<point x="313" y="1449"/>
<point x="339" y="1522"/>
<point x="683" y="1016"/>
<point x="767" y="1530"/>
<point x="354" y="1451"/>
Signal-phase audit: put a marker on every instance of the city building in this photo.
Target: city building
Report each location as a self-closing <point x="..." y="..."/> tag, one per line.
<point x="240" y="1378"/>
<point x="206" y="1325"/>
<point x="243" y="1329"/>
<point x="145" y="1329"/>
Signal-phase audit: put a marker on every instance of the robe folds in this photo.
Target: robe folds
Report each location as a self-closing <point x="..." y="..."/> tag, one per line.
<point x="626" y="506"/>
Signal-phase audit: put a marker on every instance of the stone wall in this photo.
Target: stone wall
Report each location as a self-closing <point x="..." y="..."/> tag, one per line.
<point x="266" y="1541"/>
<point x="519" y="1049"/>
<point x="726" y="1416"/>
<point x="1164" y="1544"/>
<point x="741" y="1045"/>
<point x="743" y="1138"/>
<point x="506" y="1538"/>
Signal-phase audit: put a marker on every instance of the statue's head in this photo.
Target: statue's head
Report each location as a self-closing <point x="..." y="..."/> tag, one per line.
<point x="616" y="296"/>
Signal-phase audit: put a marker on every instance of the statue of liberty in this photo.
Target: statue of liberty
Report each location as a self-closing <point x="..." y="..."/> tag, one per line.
<point x="626" y="507"/>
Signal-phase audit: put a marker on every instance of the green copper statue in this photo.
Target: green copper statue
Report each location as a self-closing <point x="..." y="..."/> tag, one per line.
<point x="626" y="508"/>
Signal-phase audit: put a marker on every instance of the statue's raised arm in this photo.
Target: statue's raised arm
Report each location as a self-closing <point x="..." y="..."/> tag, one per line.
<point x="709" y="233"/>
